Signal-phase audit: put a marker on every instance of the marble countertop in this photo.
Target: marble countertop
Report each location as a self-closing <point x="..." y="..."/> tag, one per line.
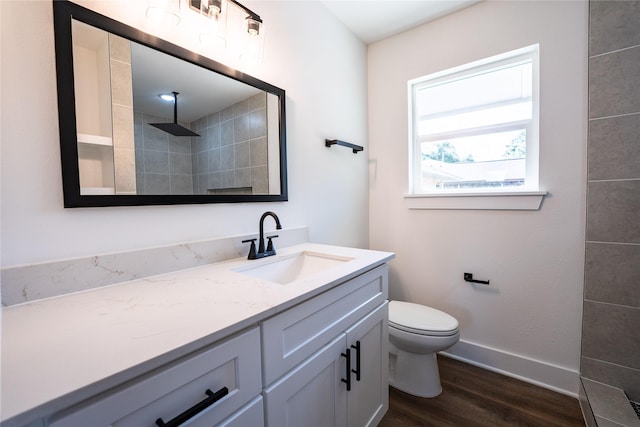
<point x="59" y="351"/>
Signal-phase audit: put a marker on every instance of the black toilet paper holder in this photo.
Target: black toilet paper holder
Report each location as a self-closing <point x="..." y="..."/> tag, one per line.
<point x="468" y="277"/>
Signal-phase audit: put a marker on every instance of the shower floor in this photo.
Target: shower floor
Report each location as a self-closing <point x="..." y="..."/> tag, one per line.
<point x="636" y="407"/>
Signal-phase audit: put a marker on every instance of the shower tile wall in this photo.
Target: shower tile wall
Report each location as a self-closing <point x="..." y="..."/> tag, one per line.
<point x="229" y="157"/>
<point x="611" y="316"/>
<point x="231" y="154"/>
<point x="163" y="161"/>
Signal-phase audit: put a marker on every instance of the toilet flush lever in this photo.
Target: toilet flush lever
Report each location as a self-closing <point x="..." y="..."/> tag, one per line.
<point x="468" y="277"/>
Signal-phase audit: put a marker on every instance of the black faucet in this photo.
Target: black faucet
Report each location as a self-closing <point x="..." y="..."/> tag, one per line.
<point x="261" y="253"/>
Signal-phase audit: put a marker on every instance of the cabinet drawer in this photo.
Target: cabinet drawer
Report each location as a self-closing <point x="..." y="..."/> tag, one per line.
<point x="294" y="335"/>
<point x="234" y="364"/>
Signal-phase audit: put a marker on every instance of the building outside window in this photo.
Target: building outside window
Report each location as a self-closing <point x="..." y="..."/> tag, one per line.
<point x="474" y="128"/>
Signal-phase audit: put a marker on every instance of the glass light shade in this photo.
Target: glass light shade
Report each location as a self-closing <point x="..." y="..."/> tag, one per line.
<point x="214" y="7"/>
<point x="164" y="12"/>
<point x="253" y="26"/>
<point x="213" y="25"/>
<point x="253" y="46"/>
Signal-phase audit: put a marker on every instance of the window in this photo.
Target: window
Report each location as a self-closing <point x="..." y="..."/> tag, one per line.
<point x="474" y="128"/>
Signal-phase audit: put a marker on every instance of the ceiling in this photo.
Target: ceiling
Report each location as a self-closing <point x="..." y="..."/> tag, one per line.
<point x="156" y="73"/>
<point x="373" y="20"/>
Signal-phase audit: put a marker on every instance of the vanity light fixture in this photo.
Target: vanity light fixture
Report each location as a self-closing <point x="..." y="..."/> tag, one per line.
<point x="247" y="38"/>
<point x="214" y="8"/>
<point x="216" y="12"/>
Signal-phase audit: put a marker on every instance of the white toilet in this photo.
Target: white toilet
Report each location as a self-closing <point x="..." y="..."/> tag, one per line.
<point x="416" y="333"/>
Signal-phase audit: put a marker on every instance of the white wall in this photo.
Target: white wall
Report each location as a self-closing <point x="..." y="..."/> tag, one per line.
<point x="527" y="322"/>
<point x="320" y="65"/>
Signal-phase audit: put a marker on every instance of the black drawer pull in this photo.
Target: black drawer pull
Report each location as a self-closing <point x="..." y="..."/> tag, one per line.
<point x="348" y="357"/>
<point x="357" y="370"/>
<point x="196" y="409"/>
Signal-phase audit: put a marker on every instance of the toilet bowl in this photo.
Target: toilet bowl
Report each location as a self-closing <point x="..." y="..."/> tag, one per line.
<point x="416" y="333"/>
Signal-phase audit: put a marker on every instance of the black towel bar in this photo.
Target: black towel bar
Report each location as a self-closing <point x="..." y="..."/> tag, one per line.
<point x="355" y="148"/>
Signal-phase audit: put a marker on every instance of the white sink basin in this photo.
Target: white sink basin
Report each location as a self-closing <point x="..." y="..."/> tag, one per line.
<point x="284" y="269"/>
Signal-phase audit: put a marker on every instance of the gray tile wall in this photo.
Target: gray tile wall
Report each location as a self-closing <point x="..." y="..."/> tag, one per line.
<point x="611" y="315"/>
<point x="232" y="150"/>
<point x="163" y="161"/>
<point x="230" y="155"/>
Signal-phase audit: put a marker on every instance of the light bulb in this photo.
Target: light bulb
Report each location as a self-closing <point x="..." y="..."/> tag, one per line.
<point x="215" y="7"/>
<point x="253" y="26"/>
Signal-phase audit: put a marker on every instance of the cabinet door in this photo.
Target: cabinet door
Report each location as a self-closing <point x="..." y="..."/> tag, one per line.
<point x="368" y="400"/>
<point x="313" y="394"/>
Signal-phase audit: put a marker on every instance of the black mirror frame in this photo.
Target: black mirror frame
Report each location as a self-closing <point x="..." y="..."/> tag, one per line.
<point x="63" y="12"/>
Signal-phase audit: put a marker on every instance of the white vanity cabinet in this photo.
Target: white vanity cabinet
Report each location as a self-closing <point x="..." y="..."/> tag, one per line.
<point x="325" y="361"/>
<point x="218" y="386"/>
<point x="229" y="350"/>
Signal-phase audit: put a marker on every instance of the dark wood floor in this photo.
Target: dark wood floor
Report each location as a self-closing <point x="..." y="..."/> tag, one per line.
<point x="473" y="396"/>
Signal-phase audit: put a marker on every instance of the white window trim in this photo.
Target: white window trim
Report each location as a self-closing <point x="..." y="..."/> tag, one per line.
<point x="502" y="200"/>
<point x="526" y="198"/>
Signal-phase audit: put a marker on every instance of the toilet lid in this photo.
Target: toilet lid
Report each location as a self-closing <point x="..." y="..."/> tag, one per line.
<point x="421" y="319"/>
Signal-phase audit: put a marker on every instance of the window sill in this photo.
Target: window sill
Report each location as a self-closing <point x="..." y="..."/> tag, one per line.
<point x="516" y="201"/>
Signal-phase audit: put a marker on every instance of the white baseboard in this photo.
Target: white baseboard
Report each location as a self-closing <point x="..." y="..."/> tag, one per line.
<point x="552" y="377"/>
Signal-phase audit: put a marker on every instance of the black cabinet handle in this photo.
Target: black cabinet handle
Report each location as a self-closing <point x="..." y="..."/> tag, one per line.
<point x="196" y="409"/>
<point x="357" y="370"/>
<point x="348" y="380"/>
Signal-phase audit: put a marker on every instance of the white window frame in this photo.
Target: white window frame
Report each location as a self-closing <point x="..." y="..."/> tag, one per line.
<point x="528" y="197"/>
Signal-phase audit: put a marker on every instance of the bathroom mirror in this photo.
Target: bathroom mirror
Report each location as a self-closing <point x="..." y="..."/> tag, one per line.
<point x="219" y="137"/>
